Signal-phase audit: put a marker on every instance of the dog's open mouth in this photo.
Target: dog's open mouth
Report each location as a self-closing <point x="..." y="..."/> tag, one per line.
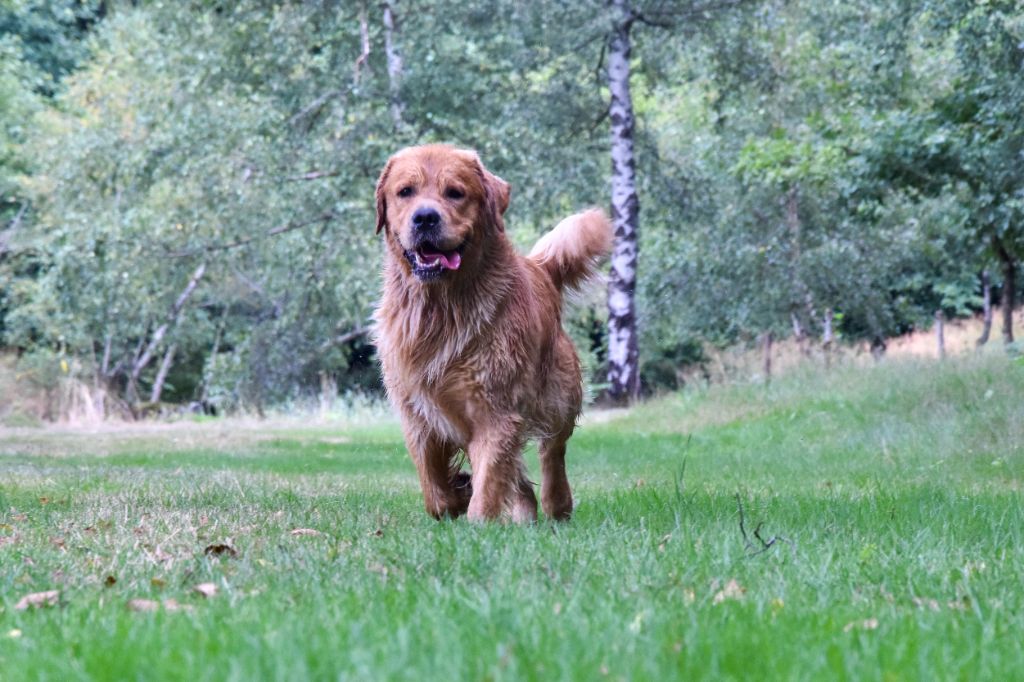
<point x="429" y="261"/>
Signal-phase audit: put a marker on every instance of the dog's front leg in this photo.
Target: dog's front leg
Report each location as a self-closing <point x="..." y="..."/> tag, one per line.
<point x="499" y="474"/>
<point x="444" y="491"/>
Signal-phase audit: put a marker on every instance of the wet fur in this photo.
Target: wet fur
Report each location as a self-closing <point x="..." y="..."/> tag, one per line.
<point x="477" y="362"/>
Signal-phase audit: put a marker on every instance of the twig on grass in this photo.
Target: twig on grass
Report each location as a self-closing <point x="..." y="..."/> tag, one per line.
<point x="752" y="549"/>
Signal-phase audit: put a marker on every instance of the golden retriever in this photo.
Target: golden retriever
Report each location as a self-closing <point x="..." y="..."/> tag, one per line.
<point x="470" y="338"/>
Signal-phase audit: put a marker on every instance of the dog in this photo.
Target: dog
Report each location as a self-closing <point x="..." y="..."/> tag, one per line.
<point x="469" y="334"/>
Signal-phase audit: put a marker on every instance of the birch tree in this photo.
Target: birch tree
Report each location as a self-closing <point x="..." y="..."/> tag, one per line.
<point x="394" y="59"/>
<point x="623" y="356"/>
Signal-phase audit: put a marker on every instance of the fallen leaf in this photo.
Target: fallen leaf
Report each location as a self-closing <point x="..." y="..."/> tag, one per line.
<point x="143" y="605"/>
<point x="378" y="568"/>
<point x="378" y="533"/>
<point x="306" y="531"/>
<point x="220" y="549"/>
<point x="44" y="500"/>
<point x="158" y="583"/>
<point x="110" y="581"/>
<point x="206" y="589"/>
<point x="150" y="605"/>
<point x="38" y="600"/>
<point x="161" y="555"/>
<point x="732" y="590"/>
<point x="866" y="624"/>
<point x="172" y="605"/>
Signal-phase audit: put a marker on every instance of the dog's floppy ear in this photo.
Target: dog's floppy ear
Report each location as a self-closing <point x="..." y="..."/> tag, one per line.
<point x="382" y="204"/>
<point x="498" y="193"/>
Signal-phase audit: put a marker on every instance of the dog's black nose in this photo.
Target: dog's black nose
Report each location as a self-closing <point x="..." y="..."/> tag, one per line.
<point x="426" y="218"/>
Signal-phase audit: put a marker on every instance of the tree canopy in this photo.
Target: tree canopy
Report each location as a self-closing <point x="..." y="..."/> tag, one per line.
<point x="186" y="188"/>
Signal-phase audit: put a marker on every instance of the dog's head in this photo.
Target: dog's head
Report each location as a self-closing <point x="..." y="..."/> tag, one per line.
<point x="439" y="206"/>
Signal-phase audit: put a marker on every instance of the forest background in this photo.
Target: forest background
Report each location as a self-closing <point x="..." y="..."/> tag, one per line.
<point x="186" y="209"/>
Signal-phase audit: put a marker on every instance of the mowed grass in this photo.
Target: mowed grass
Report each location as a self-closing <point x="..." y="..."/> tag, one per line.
<point x="895" y="492"/>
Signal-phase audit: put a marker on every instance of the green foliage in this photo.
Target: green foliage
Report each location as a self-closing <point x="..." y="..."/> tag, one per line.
<point x="52" y="34"/>
<point x="793" y="157"/>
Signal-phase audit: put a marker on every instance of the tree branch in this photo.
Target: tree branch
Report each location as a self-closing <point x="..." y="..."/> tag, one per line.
<point x="314" y="108"/>
<point x="172" y="318"/>
<point x="347" y="337"/>
<point x="315" y="175"/>
<point x="5" y="236"/>
<point x="280" y="229"/>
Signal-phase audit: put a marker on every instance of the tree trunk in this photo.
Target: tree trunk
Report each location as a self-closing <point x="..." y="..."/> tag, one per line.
<point x="1009" y="266"/>
<point x="623" y="354"/>
<point x="878" y="348"/>
<point x="799" y="334"/>
<point x="142" y="360"/>
<point x="766" y="349"/>
<point x="161" y="375"/>
<point x="394" y="59"/>
<point x="802" y="293"/>
<point x="986" y="303"/>
<point x="364" y="46"/>
<point x="940" y="333"/>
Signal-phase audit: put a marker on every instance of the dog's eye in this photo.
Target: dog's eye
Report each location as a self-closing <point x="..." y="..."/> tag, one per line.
<point x="454" y="193"/>
<point x="406" y="192"/>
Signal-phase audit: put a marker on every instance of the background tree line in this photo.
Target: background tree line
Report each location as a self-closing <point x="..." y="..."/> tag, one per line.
<point x="185" y="188"/>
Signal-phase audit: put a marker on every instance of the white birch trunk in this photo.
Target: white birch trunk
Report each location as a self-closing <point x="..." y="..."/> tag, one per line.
<point x="623" y="364"/>
<point x="142" y="360"/>
<point x="161" y="375"/>
<point x="394" y="59"/>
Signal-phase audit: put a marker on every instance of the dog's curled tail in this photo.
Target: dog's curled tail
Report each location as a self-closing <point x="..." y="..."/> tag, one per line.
<point x="570" y="252"/>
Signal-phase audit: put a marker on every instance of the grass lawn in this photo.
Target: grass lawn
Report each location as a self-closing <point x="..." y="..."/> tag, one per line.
<point x="896" y="490"/>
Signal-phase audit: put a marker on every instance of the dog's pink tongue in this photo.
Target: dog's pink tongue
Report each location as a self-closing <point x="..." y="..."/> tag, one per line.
<point x="449" y="259"/>
<point x="452" y="260"/>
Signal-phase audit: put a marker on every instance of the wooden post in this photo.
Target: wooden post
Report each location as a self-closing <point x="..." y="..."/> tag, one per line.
<point x="766" y="347"/>
<point x="1009" y="266"/>
<point x="940" y="333"/>
<point x="827" y="337"/>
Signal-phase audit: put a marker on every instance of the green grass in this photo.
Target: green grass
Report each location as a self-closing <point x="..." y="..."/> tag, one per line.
<point x="897" y="490"/>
